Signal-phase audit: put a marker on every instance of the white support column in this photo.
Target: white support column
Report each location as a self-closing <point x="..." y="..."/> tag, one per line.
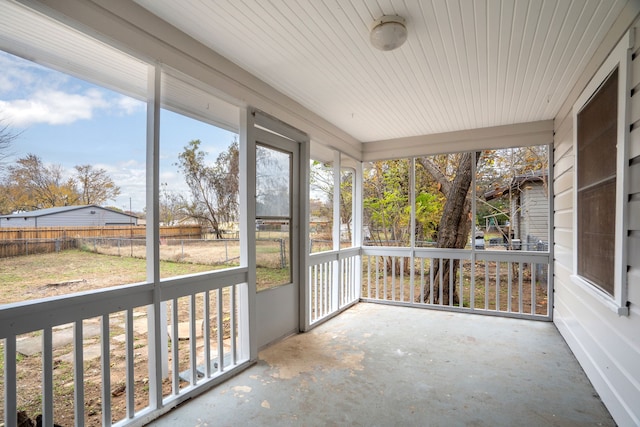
<point x="303" y="275"/>
<point x="358" y="223"/>
<point x="412" y="203"/>
<point x="336" y="200"/>
<point x="247" y="304"/>
<point x="550" y="238"/>
<point x="156" y="313"/>
<point x="473" y="230"/>
<point x="337" y="225"/>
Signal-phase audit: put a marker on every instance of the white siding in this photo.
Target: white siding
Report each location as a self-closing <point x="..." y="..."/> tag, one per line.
<point x="535" y="214"/>
<point x="87" y="216"/>
<point x="17" y="222"/>
<point x="607" y="345"/>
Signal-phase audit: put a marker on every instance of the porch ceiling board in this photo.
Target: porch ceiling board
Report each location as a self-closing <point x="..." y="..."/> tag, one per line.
<point x="63" y="48"/>
<point x="465" y="65"/>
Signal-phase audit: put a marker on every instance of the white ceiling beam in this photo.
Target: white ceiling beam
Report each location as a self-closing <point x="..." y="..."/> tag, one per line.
<point x="522" y="134"/>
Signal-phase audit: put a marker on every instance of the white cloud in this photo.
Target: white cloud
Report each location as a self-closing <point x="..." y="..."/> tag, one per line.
<point x="32" y="94"/>
<point x="128" y="105"/>
<point x="52" y="107"/>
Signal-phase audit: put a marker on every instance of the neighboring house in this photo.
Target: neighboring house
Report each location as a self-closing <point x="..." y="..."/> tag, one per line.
<point x="68" y="216"/>
<point x="529" y="208"/>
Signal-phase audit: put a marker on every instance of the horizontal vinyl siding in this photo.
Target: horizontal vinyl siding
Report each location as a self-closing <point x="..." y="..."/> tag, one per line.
<point x="84" y="217"/>
<point x="536" y="214"/>
<point x="606" y="345"/>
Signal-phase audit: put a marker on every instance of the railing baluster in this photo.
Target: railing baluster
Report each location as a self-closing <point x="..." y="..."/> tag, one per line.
<point x="486" y="285"/>
<point x="106" y="370"/>
<point x="10" y="386"/>
<point x="520" y="279"/>
<point x="451" y="275"/>
<point x="129" y="360"/>
<point x="313" y="302"/>
<point x="472" y="285"/>
<point x="320" y="283"/>
<point x="324" y="300"/>
<point x="498" y="308"/>
<point x="421" y="280"/>
<point x="509" y="283"/>
<point x="349" y="278"/>
<point x="220" y="331"/>
<point x="47" y="376"/>
<point x="393" y="278"/>
<point x="533" y="288"/>
<point x="175" y="366"/>
<point x="192" y="339"/>
<point x="206" y="334"/>
<point x="401" y="278"/>
<point x="232" y="332"/>
<point x="368" y="276"/>
<point x="441" y="280"/>
<point x="377" y="258"/>
<point x="319" y="301"/>
<point x="461" y="295"/>
<point x="341" y="285"/>
<point x="431" y="281"/>
<point x="384" y="277"/>
<point x="78" y="372"/>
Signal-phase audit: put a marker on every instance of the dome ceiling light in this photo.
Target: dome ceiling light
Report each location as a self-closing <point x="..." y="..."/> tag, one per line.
<point x="388" y="32"/>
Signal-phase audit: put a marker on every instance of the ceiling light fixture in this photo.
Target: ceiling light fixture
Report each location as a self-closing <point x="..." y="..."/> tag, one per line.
<point x="388" y="33"/>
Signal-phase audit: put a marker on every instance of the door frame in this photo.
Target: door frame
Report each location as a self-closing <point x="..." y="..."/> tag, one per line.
<point x="253" y="124"/>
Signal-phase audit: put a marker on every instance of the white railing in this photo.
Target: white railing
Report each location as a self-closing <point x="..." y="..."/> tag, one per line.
<point x="207" y="309"/>
<point x="510" y="283"/>
<point x="334" y="279"/>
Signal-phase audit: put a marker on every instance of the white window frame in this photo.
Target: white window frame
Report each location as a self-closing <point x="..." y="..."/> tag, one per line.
<point x="619" y="58"/>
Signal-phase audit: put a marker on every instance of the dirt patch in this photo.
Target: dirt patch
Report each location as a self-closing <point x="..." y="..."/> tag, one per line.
<point x="306" y="353"/>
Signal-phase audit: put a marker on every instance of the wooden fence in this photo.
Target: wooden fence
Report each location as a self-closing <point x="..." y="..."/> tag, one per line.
<point x="27" y="241"/>
<point x="136" y="231"/>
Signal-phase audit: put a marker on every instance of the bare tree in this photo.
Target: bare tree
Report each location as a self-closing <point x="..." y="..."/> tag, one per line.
<point x="96" y="186"/>
<point x="30" y="184"/>
<point x="214" y="189"/>
<point x="7" y="137"/>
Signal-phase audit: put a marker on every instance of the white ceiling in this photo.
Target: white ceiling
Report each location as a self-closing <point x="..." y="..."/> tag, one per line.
<point x="466" y="64"/>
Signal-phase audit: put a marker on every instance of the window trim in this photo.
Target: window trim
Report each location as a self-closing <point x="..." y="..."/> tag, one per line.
<point x="619" y="58"/>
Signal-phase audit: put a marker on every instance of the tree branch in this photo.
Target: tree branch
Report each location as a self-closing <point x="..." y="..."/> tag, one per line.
<point x="436" y="173"/>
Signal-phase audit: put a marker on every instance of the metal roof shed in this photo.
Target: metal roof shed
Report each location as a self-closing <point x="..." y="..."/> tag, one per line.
<point x="68" y="216"/>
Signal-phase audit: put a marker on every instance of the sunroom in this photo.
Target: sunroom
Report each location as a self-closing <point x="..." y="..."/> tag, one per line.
<point x="488" y="165"/>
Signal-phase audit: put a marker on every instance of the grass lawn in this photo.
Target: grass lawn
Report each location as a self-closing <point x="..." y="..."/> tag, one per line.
<point x="43" y="275"/>
<point x="38" y="276"/>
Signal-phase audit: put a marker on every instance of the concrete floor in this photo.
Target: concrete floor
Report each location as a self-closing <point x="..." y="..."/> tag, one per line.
<point x="378" y="365"/>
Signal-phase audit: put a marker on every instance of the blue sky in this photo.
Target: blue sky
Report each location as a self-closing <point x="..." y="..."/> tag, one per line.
<point x="69" y="122"/>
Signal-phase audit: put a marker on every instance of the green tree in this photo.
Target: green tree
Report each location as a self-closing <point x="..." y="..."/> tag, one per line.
<point x="387" y="212"/>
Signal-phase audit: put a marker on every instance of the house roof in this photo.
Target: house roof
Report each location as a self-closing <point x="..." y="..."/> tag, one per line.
<point x="56" y="210"/>
<point x="465" y="65"/>
<point x="516" y="183"/>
